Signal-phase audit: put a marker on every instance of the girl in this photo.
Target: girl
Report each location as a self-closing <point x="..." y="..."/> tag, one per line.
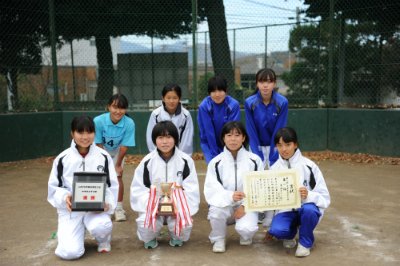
<point x="223" y="188"/>
<point x="83" y="155"/>
<point x="266" y="112"/>
<point x="115" y="132"/>
<point x="214" y="112"/>
<point x="172" y="110"/>
<point x="315" y="196"/>
<point x="166" y="164"/>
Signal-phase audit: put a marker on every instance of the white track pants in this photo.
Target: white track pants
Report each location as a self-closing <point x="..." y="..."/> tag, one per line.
<point x="147" y="234"/>
<point x="71" y="232"/>
<point x="220" y="218"/>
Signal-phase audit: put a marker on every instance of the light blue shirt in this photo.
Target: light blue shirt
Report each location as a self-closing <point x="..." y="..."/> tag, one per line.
<point x="112" y="135"/>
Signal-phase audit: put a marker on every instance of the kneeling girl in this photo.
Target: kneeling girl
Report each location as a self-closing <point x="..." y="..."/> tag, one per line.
<point x="165" y="164"/>
<point x="315" y="196"/>
<point x="223" y="188"/>
<point x="83" y="155"/>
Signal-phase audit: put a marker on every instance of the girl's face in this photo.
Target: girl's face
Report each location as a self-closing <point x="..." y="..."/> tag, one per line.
<point x="165" y="144"/>
<point x="171" y="100"/>
<point x="234" y="140"/>
<point x="116" y="113"/>
<point x="266" y="87"/>
<point x="218" y="96"/>
<point x="83" y="140"/>
<point x="286" y="150"/>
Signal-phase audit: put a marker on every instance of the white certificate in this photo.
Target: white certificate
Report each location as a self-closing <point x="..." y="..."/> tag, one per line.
<point x="271" y="190"/>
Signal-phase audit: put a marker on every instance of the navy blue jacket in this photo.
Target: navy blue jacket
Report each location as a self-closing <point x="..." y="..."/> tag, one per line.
<point x="211" y="118"/>
<point x="263" y="121"/>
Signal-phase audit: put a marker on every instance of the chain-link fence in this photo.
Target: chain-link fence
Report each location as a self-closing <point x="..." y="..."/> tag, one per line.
<point x="324" y="52"/>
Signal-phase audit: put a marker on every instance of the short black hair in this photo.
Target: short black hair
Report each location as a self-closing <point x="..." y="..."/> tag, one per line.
<point x="231" y="125"/>
<point x="172" y="87"/>
<point x="217" y="83"/>
<point x="165" y="128"/>
<point x="120" y="99"/>
<point x="287" y="134"/>
<point x="82" y="123"/>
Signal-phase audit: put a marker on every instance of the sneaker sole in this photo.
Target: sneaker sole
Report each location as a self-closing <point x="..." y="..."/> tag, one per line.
<point x="290" y="246"/>
<point x="176" y="245"/>
<point x="152" y="247"/>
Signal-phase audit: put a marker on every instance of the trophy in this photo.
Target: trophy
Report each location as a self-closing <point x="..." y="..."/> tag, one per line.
<point x="165" y="206"/>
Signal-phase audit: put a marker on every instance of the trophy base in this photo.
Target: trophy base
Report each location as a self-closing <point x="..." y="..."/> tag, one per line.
<point x="165" y="209"/>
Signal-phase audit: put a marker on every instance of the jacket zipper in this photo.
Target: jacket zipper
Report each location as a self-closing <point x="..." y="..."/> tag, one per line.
<point x="83" y="164"/>
<point x="166" y="171"/>
<point x="235" y="176"/>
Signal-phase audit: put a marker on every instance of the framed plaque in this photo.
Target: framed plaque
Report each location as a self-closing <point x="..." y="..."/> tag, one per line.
<point x="272" y="190"/>
<point x="89" y="191"/>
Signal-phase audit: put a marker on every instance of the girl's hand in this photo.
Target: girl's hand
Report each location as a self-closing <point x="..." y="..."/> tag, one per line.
<point x="239" y="213"/>
<point x="69" y="202"/>
<point x="238" y="195"/>
<point x="106" y="207"/>
<point x="303" y="193"/>
<point x="119" y="170"/>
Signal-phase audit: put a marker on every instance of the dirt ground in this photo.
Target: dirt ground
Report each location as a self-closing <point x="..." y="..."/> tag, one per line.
<point x="361" y="227"/>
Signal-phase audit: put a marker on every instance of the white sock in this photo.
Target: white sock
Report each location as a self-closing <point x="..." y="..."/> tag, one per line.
<point x="119" y="205"/>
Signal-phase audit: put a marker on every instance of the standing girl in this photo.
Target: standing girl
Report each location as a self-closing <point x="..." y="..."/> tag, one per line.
<point x="315" y="196"/>
<point x="172" y="110"/>
<point x="83" y="155"/>
<point x="166" y="164"/>
<point x="115" y="132"/>
<point x="223" y="188"/>
<point x="214" y="112"/>
<point x="266" y="112"/>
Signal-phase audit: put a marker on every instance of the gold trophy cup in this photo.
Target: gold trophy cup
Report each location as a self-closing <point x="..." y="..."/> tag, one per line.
<point x="165" y="207"/>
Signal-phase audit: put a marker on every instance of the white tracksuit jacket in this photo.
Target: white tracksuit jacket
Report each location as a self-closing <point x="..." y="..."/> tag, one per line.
<point x="70" y="161"/>
<point x="180" y="169"/>
<point x="224" y="176"/>
<point x="183" y="122"/>
<point x="311" y="178"/>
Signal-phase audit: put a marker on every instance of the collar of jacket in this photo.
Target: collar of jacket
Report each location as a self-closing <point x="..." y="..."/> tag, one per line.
<point x="273" y="96"/>
<point x="294" y="160"/>
<point x="74" y="147"/>
<point x="177" y="111"/>
<point x="229" y="155"/>
<point x="159" y="153"/>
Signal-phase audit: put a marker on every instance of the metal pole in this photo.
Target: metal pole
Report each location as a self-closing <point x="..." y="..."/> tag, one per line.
<point x="319" y="61"/>
<point x="330" y="77"/>
<point x="194" y="67"/>
<point x="341" y="60"/>
<point x="152" y="72"/>
<point x="266" y="51"/>
<point x="206" y="69"/>
<point x="234" y="58"/>
<point x="53" y="52"/>
<point x="73" y="71"/>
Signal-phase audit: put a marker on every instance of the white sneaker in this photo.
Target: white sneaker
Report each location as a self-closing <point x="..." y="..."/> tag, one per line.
<point x="289" y="243"/>
<point x="302" y="251"/>
<point x="119" y="215"/>
<point x="219" y="246"/>
<point x="245" y="242"/>
<point x="208" y="216"/>
<point x="104" y="247"/>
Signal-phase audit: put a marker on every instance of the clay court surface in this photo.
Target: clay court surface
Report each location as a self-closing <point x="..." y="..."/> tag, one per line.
<point x="361" y="227"/>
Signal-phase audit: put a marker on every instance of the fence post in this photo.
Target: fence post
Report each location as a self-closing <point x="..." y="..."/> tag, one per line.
<point x="194" y="67"/>
<point x="234" y="59"/>
<point x="53" y="52"/>
<point x="266" y="48"/>
<point x="330" y="77"/>
<point x="73" y="70"/>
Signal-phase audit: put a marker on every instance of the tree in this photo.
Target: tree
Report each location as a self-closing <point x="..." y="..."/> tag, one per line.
<point x="20" y="49"/>
<point x="106" y="18"/>
<point x="219" y="45"/>
<point x="383" y="20"/>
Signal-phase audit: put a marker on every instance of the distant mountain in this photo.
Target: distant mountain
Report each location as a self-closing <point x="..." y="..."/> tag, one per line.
<point x="178" y="47"/>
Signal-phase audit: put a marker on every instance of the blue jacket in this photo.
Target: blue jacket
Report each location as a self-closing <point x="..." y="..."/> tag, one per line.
<point x="211" y="118"/>
<point x="263" y="121"/>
